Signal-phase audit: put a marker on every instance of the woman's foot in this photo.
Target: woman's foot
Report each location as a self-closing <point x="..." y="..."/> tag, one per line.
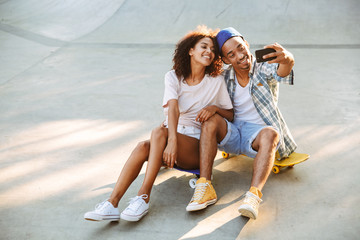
<point x="103" y="211"/>
<point x="136" y="209"/>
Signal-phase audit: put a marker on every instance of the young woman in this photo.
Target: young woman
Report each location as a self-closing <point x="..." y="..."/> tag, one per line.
<point x="194" y="92"/>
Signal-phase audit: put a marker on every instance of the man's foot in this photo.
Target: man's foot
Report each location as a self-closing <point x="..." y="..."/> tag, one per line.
<point x="103" y="211"/>
<point x="204" y="195"/>
<point x="136" y="209"/>
<point x="250" y="206"/>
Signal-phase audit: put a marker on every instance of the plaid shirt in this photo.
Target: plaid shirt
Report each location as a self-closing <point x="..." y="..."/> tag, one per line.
<point x="264" y="89"/>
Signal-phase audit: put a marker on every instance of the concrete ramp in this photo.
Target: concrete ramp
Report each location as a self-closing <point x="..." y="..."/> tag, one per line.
<point x="164" y="22"/>
<point x="60" y="20"/>
<point x="81" y="83"/>
<point x="288" y="22"/>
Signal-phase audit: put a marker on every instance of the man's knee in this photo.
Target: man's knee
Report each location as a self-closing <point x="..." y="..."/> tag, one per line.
<point x="212" y="124"/>
<point x="269" y="136"/>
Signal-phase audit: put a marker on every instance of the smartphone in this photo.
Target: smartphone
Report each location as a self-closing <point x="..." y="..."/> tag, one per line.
<point x="260" y="53"/>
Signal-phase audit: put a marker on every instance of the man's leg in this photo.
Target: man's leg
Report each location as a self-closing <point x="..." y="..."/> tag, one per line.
<point x="213" y="132"/>
<point x="265" y="144"/>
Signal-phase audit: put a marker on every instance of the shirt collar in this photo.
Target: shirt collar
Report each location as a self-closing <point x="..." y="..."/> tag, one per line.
<point x="252" y="69"/>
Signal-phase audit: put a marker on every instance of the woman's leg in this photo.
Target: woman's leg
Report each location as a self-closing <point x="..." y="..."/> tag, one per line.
<point x="158" y="142"/>
<point x="187" y="156"/>
<point x="130" y="171"/>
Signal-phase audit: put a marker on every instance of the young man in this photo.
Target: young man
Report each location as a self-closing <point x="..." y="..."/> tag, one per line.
<point x="258" y="129"/>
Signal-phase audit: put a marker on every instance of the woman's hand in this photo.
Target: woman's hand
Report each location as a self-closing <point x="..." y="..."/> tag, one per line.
<point x="170" y="153"/>
<point x="206" y="113"/>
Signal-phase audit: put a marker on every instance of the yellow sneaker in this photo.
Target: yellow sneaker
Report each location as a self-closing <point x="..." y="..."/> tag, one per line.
<point x="204" y="195"/>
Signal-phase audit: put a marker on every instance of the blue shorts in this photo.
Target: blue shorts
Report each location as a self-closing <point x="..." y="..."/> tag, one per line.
<point x="239" y="138"/>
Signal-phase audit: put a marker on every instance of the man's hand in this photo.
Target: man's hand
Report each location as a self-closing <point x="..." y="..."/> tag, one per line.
<point x="283" y="57"/>
<point x="206" y="113"/>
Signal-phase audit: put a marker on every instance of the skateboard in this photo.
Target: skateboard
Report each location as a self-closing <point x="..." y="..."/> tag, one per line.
<point x="196" y="172"/>
<point x="293" y="159"/>
<point x="290" y="161"/>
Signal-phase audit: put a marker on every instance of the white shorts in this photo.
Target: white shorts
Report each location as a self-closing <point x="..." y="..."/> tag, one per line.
<point x="189" y="131"/>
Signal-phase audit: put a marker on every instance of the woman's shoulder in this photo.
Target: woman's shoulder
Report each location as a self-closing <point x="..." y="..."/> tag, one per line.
<point x="171" y="76"/>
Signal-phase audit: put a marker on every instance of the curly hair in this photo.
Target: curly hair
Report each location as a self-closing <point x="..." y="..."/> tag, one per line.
<point x="181" y="58"/>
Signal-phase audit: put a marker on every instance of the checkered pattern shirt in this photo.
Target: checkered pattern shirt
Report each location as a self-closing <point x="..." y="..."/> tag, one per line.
<point x="264" y="89"/>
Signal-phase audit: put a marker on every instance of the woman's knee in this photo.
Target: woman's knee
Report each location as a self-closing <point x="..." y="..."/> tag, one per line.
<point x="143" y="147"/>
<point x="159" y="133"/>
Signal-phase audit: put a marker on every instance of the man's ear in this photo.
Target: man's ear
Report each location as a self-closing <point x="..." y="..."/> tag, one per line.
<point x="247" y="44"/>
<point x="225" y="60"/>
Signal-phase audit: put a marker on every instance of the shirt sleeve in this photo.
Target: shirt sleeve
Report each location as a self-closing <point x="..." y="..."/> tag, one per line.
<point x="270" y="71"/>
<point x="172" y="86"/>
<point x="289" y="79"/>
<point x="223" y="95"/>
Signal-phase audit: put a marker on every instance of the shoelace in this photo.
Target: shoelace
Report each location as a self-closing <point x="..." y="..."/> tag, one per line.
<point x="252" y="201"/>
<point x="100" y="205"/>
<point x="135" y="203"/>
<point x="199" y="191"/>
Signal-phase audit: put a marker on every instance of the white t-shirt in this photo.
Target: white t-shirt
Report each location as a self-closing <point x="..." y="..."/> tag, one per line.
<point x="244" y="107"/>
<point x="191" y="99"/>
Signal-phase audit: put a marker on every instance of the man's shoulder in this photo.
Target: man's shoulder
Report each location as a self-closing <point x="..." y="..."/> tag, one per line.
<point x="227" y="68"/>
<point x="227" y="71"/>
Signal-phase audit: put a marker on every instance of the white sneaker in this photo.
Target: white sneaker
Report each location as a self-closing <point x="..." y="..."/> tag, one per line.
<point x="103" y="211"/>
<point x="250" y="206"/>
<point x="136" y="209"/>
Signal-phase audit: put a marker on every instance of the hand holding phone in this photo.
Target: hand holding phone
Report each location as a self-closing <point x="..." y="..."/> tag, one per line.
<point x="260" y="53"/>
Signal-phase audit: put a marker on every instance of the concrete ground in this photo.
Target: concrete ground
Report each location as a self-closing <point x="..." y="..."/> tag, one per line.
<point x="81" y="83"/>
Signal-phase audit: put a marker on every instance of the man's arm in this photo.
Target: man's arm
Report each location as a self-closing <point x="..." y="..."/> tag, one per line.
<point x="209" y="111"/>
<point x="283" y="57"/>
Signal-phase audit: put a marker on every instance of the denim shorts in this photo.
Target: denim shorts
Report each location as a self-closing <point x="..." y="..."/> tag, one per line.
<point x="239" y="138"/>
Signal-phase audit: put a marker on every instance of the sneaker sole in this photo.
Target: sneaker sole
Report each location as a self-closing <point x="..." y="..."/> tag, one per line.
<point x="98" y="218"/>
<point x="133" y="218"/>
<point x="104" y="219"/>
<point x="246" y="213"/>
<point x="198" y="207"/>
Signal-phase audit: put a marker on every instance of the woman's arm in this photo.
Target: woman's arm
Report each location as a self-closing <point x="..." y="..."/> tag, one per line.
<point x="209" y="111"/>
<point x="170" y="152"/>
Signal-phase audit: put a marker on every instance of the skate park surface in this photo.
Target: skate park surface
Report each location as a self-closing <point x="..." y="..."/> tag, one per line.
<point x="81" y="83"/>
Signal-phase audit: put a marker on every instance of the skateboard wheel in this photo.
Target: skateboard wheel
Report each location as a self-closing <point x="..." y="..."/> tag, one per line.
<point x="291" y="166"/>
<point x="225" y="155"/>
<point x="276" y="169"/>
<point x="192" y="182"/>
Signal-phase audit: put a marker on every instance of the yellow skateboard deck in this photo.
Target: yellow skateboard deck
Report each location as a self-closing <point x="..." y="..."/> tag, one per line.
<point x="290" y="161"/>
